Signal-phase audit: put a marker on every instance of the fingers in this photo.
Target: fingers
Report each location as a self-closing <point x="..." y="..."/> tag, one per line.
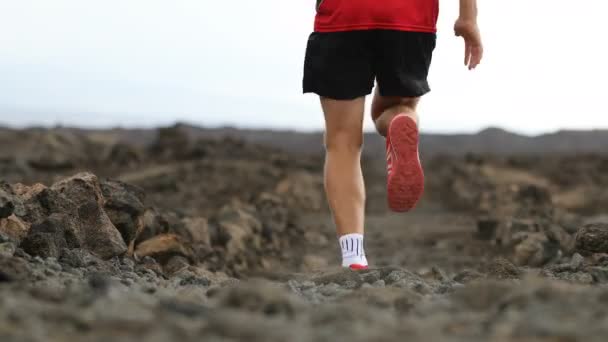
<point x="476" y="56"/>
<point x="467" y="52"/>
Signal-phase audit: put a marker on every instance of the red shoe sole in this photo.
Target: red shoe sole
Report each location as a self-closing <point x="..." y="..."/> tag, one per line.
<point x="357" y="267"/>
<point x="406" y="183"/>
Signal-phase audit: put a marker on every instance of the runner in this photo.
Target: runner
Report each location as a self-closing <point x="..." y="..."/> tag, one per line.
<point x="356" y="43"/>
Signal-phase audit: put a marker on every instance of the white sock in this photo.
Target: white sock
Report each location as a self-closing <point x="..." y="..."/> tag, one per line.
<point x="352" y="250"/>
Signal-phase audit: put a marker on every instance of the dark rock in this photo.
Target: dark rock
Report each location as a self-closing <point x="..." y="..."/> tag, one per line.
<point x="183" y="308"/>
<point x="77" y="257"/>
<point x="486" y="228"/>
<point x="12" y="269"/>
<point x="69" y="214"/>
<point x="175" y="264"/>
<point x="534" y="194"/>
<point x="149" y="263"/>
<point x="124" y="205"/>
<point x="152" y="224"/>
<point x="191" y="279"/>
<point x="6" y="204"/>
<point x="503" y="269"/>
<point x="344" y="277"/>
<point x="592" y="238"/>
<point x="599" y="274"/>
<point x="99" y="282"/>
<point x="49" y="238"/>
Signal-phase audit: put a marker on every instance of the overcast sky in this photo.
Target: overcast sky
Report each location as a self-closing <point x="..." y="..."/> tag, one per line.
<point x="151" y="62"/>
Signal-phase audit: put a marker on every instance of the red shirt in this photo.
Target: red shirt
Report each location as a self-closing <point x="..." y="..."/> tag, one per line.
<point x="401" y="15"/>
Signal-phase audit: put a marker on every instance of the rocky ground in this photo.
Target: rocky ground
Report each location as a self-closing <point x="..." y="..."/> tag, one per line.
<point x="227" y="241"/>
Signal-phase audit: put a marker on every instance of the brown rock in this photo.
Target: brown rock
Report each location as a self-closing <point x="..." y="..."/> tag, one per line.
<point x="28" y="192"/>
<point x="237" y="227"/>
<point x="80" y="188"/>
<point x="592" y="238"/>
<point x="535" y="250"/>
<point x="302" y="190"/>
<point x="163" y="247"/>
<point x="14" y="228"/>
<point x="197" y="230"/>
<point x="97" y="232"/>
<point x="272" y="213"/>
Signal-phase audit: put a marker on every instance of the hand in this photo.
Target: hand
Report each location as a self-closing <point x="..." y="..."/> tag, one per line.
<point x="473" y="48"/>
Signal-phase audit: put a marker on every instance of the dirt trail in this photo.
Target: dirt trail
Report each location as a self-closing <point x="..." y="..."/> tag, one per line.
<point x="226" y="241"/>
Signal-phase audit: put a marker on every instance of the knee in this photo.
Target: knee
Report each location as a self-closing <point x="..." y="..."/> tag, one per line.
<point x="344" y="141"/>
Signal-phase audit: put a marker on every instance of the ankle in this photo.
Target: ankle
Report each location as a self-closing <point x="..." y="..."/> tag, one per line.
<point x="353" y="252"/>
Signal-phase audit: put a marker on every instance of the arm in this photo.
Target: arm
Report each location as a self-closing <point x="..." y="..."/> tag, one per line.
<point x="468" y="9"/>
<point x="466" y="27"/>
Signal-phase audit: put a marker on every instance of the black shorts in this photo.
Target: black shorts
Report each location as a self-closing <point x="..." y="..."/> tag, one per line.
<point x="344" y="65"/>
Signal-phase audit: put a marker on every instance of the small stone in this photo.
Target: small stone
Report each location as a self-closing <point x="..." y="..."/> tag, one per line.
<point x="7" y="249"/>
<point x="176" y="264"/>
<point x="14" y="228"/>
<point x="163" y="247"/>
<point x="600" y="274"/>
<point x="307" y="285"/>
<point x="329" y="290"/>
<point x="592" y="238"/>
<point x="577" y="261"/>
<point x="99" y="282"/>
<point x="379" y="283"/>
<point x="503" y="269"/>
